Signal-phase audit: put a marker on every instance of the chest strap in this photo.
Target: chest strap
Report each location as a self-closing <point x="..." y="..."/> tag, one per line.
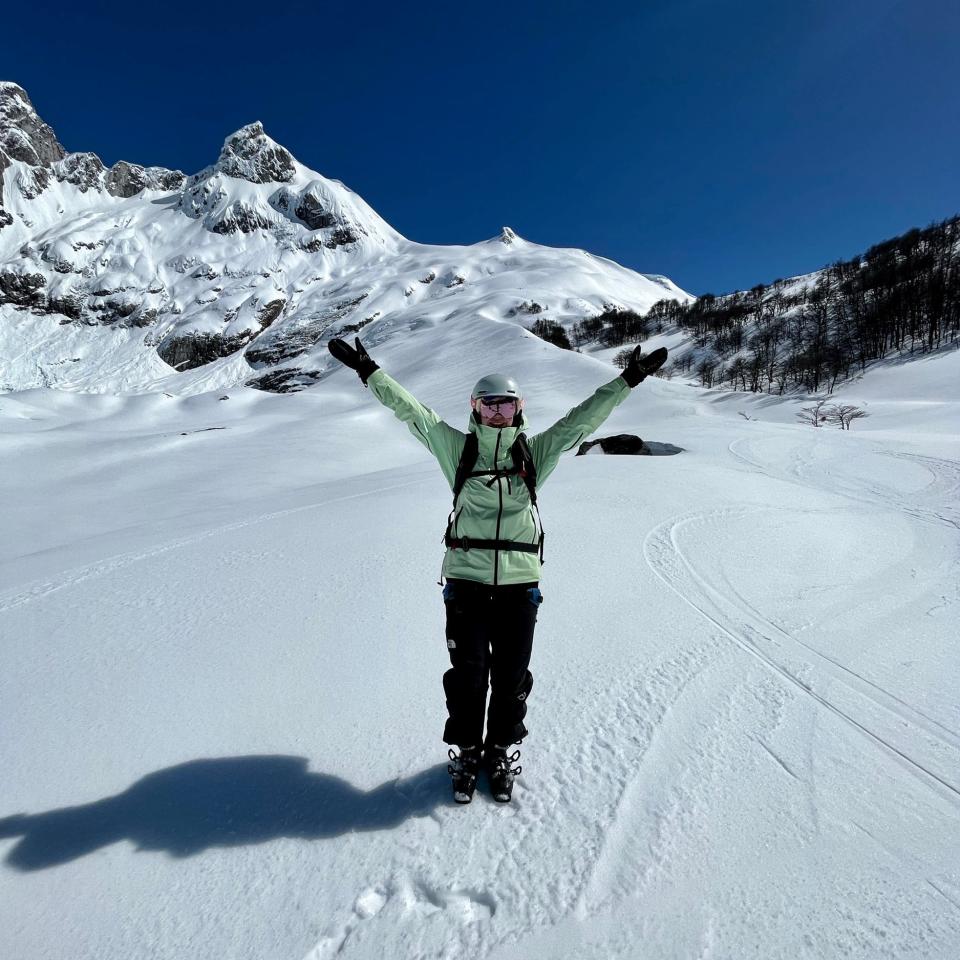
<point x="469" y="543"/>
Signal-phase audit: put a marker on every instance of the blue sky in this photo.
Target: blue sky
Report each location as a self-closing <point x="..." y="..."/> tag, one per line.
<point x="720" y="143"/>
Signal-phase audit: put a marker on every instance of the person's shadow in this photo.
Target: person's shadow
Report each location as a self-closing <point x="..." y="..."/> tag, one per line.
<point x="220" y="803"/>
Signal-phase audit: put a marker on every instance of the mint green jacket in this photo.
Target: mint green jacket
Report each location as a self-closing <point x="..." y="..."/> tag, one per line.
<point x="502" y="511"/>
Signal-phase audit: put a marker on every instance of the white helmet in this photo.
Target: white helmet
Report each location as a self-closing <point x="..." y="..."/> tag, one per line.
<point x="496" y="385"/>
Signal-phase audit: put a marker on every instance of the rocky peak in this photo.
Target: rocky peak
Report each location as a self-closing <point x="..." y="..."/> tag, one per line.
<point x="23" y="135"/>
<point x="249" y="154"/>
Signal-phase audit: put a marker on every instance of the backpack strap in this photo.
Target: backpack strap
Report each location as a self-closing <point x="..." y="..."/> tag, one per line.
<point x="523" y="461"/>
<point x="468" y="457"/>
<point x="523" y="466"/>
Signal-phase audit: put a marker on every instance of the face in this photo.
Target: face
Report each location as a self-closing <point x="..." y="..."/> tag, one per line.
<point x="496" y="411"/>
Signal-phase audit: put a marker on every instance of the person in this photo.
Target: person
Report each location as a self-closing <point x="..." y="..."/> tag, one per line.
<point x="494" y="550"/>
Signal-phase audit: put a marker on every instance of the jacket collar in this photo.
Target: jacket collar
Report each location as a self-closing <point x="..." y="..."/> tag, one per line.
<point x="487" y="438"/>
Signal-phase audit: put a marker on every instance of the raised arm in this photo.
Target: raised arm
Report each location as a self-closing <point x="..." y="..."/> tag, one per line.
<point x="575" y="426"/>
<point x="584" y="418"/>
<point x="442" y="440"/>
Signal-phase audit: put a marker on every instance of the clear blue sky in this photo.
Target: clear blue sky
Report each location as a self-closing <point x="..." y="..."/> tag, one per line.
<point x="721" y="143"/>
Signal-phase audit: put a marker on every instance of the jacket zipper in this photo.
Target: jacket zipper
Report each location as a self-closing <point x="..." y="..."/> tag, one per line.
<point x="496" y="550"/>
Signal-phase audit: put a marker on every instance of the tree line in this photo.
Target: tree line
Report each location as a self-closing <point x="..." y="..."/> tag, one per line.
<point x="900" y="297"/>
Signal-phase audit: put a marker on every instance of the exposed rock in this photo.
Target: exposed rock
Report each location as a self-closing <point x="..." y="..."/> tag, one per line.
<point x="32" y="181"/>
<point x="341" y="236"/>
<point x="202" y="192"/>
<point x="313" y="245"/>
<point x="622" y="443"/>
<point x="293" y="342"/>
<point x="190" y="350"/>
<point x="527" y="306"/>
<point x="269" y="312"/>
<point x="507" y="236"/>
<point x="249" y="154"/>
<point x="313" y="213"/>
<point x="117" y="312"/>
<point x="239" y="218"/>
<point x="70" y="306"/>
<point x="23" y="135"/>
<point x="5" y="218"/>
<point x="22" y="289"/>
<point x="160" y="178"/>
<point x="286" y="381"/>
<point x="84" y="170"/>
<point x="128" y="179"/>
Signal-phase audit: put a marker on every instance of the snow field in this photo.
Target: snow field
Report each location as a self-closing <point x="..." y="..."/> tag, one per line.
<point x="220" y="661"/>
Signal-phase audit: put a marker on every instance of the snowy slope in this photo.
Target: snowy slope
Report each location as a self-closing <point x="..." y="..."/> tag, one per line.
<point x="221" y="643"/>
<point x="139" y="279"/>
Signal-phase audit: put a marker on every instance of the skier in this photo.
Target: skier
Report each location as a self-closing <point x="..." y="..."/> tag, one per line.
<point x="494" y="551"/>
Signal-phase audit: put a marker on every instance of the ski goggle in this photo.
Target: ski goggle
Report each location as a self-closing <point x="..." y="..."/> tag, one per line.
<point x="506" y="406"/>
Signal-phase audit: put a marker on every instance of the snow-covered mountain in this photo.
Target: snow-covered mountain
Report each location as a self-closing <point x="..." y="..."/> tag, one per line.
<point x="134" y="279"/>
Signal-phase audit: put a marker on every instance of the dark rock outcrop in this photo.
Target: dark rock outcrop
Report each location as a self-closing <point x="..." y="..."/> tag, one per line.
<point x="249" y="154"/>
<point x="84" y="170"/>
<point x="128" y="179"/>
<point x="70" y="307"/>
<point x="22" y="289"/>
<point x="190" y="350"/>
<point x="312" y="212"/>
<point x="622" y="443"/>
<point x="239" y="218"/>
<point x="291" y="380"/>
<point x="31" y="182"/>
<point x="279" y="347"/>
<point x="341" y="237"/>
<point x="23" y="135"/>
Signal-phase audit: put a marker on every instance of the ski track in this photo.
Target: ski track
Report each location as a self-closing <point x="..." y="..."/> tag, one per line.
<point x="756" y="635"/>
<point x="117" y="562"/>
<point x="943" y="492"/>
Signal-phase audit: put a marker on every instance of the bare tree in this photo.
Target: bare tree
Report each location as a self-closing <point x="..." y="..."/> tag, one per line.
<point x="844" y="414"/>
<point x="814" y="415"/>
<point x="623" y="358"/>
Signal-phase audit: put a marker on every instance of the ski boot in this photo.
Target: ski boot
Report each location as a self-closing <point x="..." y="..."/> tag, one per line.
<point x="501" y="771"/>
<point x="463" y="769"/>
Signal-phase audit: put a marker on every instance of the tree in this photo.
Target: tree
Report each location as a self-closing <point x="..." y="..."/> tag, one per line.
<point x="843" y="414"/>
<point x="552" y="332"/>
<point x="814" y="415"/>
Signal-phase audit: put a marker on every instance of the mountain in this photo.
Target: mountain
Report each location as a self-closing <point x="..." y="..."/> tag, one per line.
<point x="900" y="299"/>
<point x="136" y="279"/>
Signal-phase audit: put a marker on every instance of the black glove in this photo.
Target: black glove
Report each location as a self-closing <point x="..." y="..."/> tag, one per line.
<point x="358" y="359"/>
<point x="640" y="366"/>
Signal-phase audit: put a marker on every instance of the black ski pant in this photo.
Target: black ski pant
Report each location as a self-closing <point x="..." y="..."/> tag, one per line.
<point x="489" y="638"/>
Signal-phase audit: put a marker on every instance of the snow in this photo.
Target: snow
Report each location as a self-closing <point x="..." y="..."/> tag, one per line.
<point x="163" y="252"/>
<point x="222" y="643"/>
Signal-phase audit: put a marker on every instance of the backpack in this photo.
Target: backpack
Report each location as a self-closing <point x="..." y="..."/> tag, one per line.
<point x="523" y="467"/>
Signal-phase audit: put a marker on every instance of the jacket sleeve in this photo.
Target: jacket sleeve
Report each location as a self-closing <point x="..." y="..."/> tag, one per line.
<point x="577" y="425"/>
<point x="442" y="440"/>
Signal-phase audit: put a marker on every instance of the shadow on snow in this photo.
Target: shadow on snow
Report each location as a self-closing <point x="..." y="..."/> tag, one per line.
<point x="225" y="802"/>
